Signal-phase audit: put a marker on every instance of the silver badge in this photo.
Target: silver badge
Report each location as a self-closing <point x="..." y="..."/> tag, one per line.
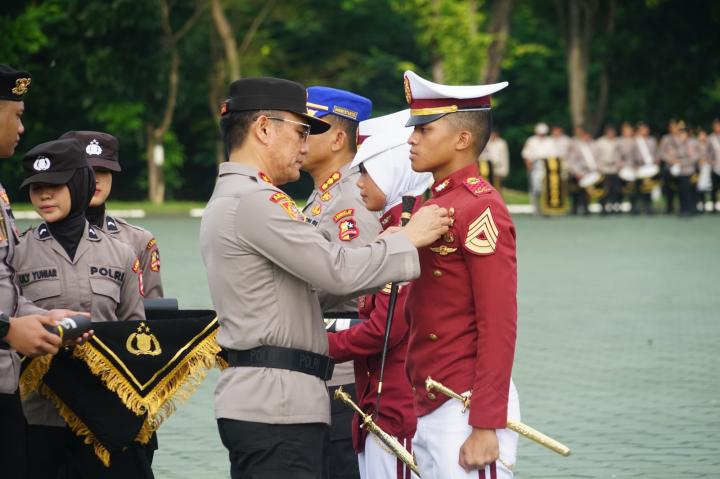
<point x="42" y="163"/>
<point x="93" y="148"/>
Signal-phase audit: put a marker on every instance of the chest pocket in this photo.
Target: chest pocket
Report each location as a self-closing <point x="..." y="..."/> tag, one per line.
<point x="40" y="283"/>
<point x="105" y="287"/>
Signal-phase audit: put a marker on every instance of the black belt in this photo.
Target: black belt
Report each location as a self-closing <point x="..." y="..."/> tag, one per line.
<point x="283" y="358"/>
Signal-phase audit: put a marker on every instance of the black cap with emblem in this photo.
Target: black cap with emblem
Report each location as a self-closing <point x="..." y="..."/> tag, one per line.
<point x="53" y="162"/>
<point x="101" y="149"/>
<point x="13" y="83"/>
<point x="267" y="93"/>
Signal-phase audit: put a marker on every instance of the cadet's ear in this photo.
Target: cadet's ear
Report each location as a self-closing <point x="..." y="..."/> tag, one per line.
<point x="339" y="139"/>
<point x="464" y="140"/>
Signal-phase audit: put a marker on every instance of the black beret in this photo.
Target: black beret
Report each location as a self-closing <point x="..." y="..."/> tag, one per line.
<point x="101" y="149"/>
<point x="267" y="93"/>
<point x="53" y="162"/>
<point x="13" y="83"/>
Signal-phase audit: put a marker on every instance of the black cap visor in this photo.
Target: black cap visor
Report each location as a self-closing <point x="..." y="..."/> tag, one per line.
<point x="49" y="178"/>
<point x="317" y="125"/>
<point x="416" y="120"/>
<point x="105" y="164"/>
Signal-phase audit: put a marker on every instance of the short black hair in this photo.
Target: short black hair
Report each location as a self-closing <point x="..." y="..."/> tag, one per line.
<point x="234" y="127"/>
<point x="350" y="128"/>
<point x="477" y="122"/>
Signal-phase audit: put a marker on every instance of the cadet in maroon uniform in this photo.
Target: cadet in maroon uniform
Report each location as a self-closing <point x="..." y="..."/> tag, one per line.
<point x="386" y="176"/>
<point x="462" y="310"/>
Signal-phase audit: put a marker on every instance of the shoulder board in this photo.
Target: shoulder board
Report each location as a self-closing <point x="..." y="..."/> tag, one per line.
<point x="477" y="186"/>
<point x="331" y="181"/>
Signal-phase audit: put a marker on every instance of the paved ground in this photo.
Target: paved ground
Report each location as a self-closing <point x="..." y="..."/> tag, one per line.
<point x="617" y="350"/>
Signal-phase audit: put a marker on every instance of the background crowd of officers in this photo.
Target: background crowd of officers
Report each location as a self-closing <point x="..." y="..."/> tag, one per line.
<point x="620" y="169"/>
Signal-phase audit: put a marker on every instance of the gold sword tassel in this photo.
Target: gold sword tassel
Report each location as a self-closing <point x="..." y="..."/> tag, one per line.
<point x="517" y="426"/>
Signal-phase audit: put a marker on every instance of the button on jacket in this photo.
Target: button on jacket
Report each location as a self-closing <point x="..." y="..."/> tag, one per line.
<point x="12" y="302"/>
<point x="264" y="261"/>
<point x="146" y="249"/>
<point x="102" y="279"/>
<point x="463" y="308"/>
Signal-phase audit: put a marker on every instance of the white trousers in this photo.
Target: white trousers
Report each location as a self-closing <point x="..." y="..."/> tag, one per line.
<point x="441" y="434"/>
<point x="378" y="463"/>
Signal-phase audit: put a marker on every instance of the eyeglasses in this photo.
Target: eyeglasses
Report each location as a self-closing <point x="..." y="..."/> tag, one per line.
<point x="306" y="128"/>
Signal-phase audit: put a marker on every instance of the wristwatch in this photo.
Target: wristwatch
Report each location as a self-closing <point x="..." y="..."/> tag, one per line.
<point x="4" y="330"/>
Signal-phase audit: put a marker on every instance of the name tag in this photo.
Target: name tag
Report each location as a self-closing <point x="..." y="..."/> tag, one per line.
<point x="42" y="274"/>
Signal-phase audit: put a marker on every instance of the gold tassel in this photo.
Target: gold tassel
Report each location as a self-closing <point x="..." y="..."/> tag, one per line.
<point x="176" y="387"/>
<point x="77" y="426"/>
<point x="33" y="374"/>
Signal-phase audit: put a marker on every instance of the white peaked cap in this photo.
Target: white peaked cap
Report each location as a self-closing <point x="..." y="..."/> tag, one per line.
<point x="429" y="101"/>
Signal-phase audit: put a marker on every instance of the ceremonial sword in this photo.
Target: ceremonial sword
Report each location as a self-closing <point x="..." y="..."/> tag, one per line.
<point x="517" y="426"/>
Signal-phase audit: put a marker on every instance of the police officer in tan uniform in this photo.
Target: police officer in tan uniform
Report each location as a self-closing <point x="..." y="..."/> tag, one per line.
<point x="66" y="263"/>
<point x="101" y="151"/>
<point x="263" y="263"/>
<point x="21" y="323"/>
<point x="335" y="204"/>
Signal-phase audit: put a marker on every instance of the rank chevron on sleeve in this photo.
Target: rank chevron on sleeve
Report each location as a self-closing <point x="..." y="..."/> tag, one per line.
<point x="482" y="234"/>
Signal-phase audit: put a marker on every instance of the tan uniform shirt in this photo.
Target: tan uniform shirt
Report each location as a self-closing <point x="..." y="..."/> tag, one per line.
<point x="714" y="142"/>
<point x="262" y="261"/>
<point x="146" y="249"/>
<point x="684" y="152"/>
<point x="581" y="158"/>
<point x="103" y="279"/>
<point x="645" y="152"/>
<point x="12" y="302"/>
<point x="342" y="217"/>
<point x="607" y="155"/>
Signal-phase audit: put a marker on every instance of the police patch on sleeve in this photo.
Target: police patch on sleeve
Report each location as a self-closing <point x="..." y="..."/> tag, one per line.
<point x="482" y="235"/>
<point x="347" y="226"/>
<point x="155" y="261"/>
<point x="286" y="203"/>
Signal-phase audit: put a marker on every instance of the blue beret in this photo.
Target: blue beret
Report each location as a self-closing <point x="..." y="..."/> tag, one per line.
<point x="322" y="100"/>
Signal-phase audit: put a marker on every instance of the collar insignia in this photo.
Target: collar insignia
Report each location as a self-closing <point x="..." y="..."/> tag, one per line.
<point x="111" y="224"/>
<point x="264" y="177"/>
<point x="92" y="234"/>
<point x="43" y="231"/>
<point x="441" y="186"/>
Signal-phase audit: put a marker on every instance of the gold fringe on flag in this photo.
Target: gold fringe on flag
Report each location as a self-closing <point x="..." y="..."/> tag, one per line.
<point x="33" y="374"/>
<point x="175" y="387"/>
<point x="77" y="426"/>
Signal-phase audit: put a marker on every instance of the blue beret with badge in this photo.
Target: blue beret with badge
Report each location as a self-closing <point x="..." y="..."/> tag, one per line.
<point x="323" y="100"/>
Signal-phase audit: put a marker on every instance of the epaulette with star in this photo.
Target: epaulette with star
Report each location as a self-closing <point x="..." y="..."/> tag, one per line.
<point x="477" y="186"/>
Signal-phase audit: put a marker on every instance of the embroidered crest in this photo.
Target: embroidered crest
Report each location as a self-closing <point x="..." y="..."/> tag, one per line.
<point x="348" y="230"/>
<point x="21" y="86"/>
<point x="288" y="205"/>
<point x="316" y="209"/>
<point x="476" y="186"/>
<point x="343" y="214"/>
<point x="150" y="244"/>
<point x="155" y="261"/>
<point x="325" y="196"/>
<point x="408" y="91"/>
<point x="93" y="148"/>
<point x="334" y="178"/>
<point x="264" y="177"/>
<point x="143" y="342"/>
<point x="42" y="163"/>
<point x="482" y="234"/>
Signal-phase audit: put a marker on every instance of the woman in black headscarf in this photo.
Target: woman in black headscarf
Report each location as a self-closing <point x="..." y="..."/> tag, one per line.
<point x="66" y="263"/>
